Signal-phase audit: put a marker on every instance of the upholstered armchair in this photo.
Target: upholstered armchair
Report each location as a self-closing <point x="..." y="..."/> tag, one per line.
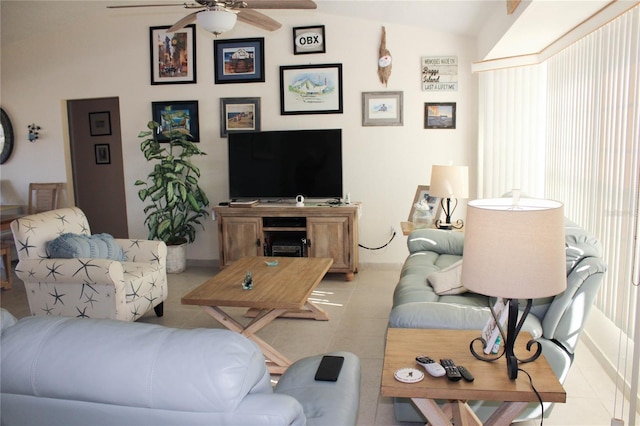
<point x="104" y="278"/>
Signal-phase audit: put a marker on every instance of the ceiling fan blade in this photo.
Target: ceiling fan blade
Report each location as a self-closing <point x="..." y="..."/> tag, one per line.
<point x="281" y="4"/>
<point x="189" y="19"/>
<point x="144" y="5"/>
<point x="258" y="19"/>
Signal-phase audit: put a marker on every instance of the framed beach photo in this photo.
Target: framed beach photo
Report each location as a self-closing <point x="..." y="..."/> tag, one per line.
<point x="422" y="193"/>
<point x="382" y="108"/>
<point x="188" y="119"/>
<point x="239" y="115"/>
<point x="311" y="89"/>
<point x="440" y="115"/>
<point x="173" y="55"/>
<point x="239" y="60"/>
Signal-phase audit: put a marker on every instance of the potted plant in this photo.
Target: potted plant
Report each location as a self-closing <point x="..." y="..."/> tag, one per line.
<point x="177" y="203"/>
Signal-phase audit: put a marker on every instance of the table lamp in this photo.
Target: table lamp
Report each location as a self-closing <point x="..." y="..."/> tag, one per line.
<point x="449" y="183"/>
<point x="514" y="249"/>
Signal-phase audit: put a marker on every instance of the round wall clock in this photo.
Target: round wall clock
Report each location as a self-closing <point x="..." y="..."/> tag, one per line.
<point x="6" y="137"/>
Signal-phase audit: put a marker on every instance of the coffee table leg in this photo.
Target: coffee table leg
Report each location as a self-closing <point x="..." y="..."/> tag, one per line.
<point x="310" y="311"/>
<point x="276" y="362"/>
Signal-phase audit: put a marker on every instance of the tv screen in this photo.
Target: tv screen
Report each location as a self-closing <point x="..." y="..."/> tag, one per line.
<point x="283" y="164"/>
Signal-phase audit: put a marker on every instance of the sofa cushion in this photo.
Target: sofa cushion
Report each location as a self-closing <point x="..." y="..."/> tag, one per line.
<point x="100" y="246"/>
<point x="448" y="280"/>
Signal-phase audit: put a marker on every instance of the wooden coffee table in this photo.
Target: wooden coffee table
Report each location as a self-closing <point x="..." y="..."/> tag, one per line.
<point x="491" y="381"/>
<point x="278" y="291"/>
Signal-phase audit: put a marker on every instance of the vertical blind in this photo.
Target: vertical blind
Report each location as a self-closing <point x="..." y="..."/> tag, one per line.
<point x="511" y="135"/>
<point x="592" y="138"/>
<point x="568" y="129"/>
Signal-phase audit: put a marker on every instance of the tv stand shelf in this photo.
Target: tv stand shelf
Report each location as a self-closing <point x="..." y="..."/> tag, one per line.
<point x="286" y="230"/>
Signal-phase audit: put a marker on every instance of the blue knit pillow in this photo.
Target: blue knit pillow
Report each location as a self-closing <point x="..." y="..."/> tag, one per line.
<point x="98" y="246"/>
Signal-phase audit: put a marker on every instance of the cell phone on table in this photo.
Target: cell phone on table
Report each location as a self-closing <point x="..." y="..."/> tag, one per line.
<point x="329" y="368"/>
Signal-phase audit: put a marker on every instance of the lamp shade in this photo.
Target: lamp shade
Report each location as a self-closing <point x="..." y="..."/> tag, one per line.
<point x="216" y="20"/>
<point x="449" y="182"/>
<point x="515" y="251"/>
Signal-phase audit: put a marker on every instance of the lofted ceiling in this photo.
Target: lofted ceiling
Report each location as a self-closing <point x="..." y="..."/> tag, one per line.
<point x="534" y="25"/>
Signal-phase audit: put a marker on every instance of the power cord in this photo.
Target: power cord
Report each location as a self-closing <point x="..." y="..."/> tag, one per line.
<point x="537" y="394"/>
<point x="381" y="247"/>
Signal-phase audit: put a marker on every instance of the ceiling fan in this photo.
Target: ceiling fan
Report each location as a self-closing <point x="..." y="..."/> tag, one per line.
<point x="218" y="16"/>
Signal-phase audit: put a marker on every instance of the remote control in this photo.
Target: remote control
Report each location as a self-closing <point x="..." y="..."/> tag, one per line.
<point x="430" y="366"/>
<point x="465" y="374"/>
<point x="452" y="371"/>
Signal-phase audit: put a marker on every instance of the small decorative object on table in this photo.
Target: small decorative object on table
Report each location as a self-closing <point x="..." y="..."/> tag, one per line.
<point x="247" y="283"/>
<point x="422" y="217"/>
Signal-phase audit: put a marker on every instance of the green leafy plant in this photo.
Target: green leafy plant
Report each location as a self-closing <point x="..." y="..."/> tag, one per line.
<point x="177" y="201"/>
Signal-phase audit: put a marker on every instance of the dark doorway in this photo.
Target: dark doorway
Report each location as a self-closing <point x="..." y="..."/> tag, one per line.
<point x="96" y="161"/>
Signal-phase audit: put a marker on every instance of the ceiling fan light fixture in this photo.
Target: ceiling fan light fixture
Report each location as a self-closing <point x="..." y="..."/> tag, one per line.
<point x="217" y="20"/>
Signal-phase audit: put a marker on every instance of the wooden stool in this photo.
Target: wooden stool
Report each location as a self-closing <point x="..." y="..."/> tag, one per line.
<point x="5" y="252"/>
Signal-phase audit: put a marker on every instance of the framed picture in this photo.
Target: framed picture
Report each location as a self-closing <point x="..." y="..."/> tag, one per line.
<point x="382" y="108"/>
<point x="103" y="155"/>
<point x="189" y="121"/>
<point x="100" y="123"/>
<point x="311" y="89"/>
<point x="440" y="115"/>
<point x="239" y="60"/>
<point x="173" y="55"/>
<point x="308" y="40"/>
<point x="239" y="115"/>
<point x="422" y="193"/>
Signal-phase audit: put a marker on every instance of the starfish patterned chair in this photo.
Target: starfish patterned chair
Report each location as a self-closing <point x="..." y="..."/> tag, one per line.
<point x="101" y="277"/>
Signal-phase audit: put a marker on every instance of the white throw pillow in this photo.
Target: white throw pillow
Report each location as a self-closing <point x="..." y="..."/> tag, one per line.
<point x="448" y="280"/>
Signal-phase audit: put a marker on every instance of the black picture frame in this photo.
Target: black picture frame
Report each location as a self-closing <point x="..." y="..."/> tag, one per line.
<point x="309" y="40"/>
<point x="311" y="89"/>
<point x="100" y="123"/>
<point x="192" y="124"/>
<point x="239" y="115"/>
<point x="439" y="115"/>
<point x="103" y="153"/>
<point x="168" y="48"/>
<point x="238" y="60"/>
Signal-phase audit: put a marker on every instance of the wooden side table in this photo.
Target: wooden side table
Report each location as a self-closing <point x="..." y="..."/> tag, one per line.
<point x="491" y="381"/>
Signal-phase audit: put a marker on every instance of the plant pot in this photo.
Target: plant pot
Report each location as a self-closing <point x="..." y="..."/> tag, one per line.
<point x="176" y="258"/>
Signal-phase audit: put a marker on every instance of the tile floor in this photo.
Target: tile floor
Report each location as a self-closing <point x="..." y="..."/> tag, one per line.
<point x="359" y="311"/>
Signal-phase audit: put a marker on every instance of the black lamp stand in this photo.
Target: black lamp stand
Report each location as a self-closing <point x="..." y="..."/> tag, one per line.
<point x="513" y="329"/>
<point x="448" y="211"/>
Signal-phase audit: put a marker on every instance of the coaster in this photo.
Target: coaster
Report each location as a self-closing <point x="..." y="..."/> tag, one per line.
<point x="408" y="375"/>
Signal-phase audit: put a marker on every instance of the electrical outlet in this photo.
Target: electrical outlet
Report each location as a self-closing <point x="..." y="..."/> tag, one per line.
<point x="617" y="422"/>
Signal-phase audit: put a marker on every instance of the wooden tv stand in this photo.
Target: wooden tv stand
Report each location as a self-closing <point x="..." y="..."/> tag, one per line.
<point x="271" y="229"/>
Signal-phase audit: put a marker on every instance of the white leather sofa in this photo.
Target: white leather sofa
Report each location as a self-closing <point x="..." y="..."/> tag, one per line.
<point x="68" y="371"/>
<point x="93" y="284"/>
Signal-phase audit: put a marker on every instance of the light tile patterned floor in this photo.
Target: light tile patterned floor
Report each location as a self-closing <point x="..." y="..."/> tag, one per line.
<point x="359" y="311"/>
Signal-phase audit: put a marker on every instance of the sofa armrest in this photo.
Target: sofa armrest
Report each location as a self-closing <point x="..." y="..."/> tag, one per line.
<point x="72" y="271"/>
<point x="436" y="240"/>
<point x="144" y="250"/>
<point x="567" y="314"/>
<point x="450" y="316"/>
<point x="324" y="403"/>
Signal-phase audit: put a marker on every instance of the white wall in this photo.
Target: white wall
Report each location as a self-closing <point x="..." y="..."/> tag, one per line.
<point x="108" y="55"/>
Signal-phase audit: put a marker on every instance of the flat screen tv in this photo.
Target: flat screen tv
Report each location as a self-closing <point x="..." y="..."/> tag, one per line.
<point x="284" y="164"/>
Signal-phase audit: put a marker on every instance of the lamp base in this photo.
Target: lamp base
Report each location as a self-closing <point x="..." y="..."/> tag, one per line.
<point x="459" y="224"/>
<point x="513" y="329"/>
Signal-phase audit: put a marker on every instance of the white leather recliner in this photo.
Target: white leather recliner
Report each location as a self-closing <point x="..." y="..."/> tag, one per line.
<point x="94" y="284"/>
